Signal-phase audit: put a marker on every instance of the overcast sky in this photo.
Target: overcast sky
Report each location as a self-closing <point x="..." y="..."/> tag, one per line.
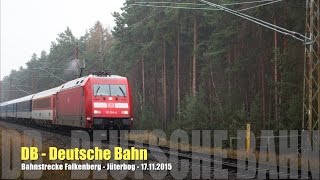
<point x="29" y="26"/>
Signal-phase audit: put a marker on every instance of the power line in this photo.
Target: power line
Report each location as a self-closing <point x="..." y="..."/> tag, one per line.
<point x="172" y="6"/>
<point x="281" y="30"/>
<point x="249" y="2"/>
<point x="148" y="17"/>
<point x="51" y="74"/>
<point x="176" y="7"/>
<point x="198" y="8"/>
<point x="228" y="4"/>
<point x="91" y="65"/>
<point x="20" y="89"/>
<point x="259" y="5"/>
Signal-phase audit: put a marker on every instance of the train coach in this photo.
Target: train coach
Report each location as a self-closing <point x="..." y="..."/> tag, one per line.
<point x="23" y="107"/>
<point x="17" y="108"/>
<point x="90" y="102"/>
<point x="3" y="110"/>
<point x="11" y="108"/>
<point x="43" y="107"/>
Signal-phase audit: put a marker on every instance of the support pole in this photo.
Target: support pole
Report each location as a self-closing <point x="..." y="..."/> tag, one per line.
<point x="311" y="90"/>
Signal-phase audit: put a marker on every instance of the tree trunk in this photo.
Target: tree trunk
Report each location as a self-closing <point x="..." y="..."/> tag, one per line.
<point x="276" y="100"/>
<point x="178" y="72"/>
<point x="173" y="95"/>
<point x="210" y="102"/>
<point x="164" y="87"/>
<point x="155" y="95"/>
<point x="194" y="60"/>
<point x="248" y="108"/>
<point x="263" y="99"/>
<point x="214" y="87"/>
<point x="229" y="77"/>
<point x="143" y="81"/>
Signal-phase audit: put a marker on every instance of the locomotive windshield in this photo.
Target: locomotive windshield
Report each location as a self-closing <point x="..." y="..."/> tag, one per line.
<point x="109" y="90"/>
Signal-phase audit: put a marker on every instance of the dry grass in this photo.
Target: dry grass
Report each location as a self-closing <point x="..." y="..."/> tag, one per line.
<point x="150" y="138"/>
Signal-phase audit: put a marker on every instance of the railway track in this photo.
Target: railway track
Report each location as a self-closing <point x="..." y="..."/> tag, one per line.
<point x="204" y="161"/>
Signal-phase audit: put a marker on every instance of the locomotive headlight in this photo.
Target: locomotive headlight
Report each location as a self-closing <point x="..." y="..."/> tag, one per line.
<point x="96" y="112"/>
<point x="124" y="112"/>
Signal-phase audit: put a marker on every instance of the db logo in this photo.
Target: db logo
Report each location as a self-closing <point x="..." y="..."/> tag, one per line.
<point x="110" y="105"/>
<point x="29" y="153"/>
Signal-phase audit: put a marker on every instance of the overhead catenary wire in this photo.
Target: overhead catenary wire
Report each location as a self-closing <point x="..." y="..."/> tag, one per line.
<point x="53" y="75"/>
<point x="177" y="3"/>
<point x="132" y="26"/>
<point x="255" y="20"/>
<point x="227" y="4"/>
<point x="20" y="89"/>
<point x="148" y="17"/>
<point x="279" y="29"/>
<point x="176" y="7"/>
<point x="260" y="5"/>
<point x="199" y="8"/>
<point x="248" y="2"/>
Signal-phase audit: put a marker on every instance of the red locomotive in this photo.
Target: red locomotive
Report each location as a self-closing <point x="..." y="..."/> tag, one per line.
<point x="91" y="102"/>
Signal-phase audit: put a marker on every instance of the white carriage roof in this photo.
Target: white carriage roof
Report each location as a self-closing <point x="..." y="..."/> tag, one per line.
<point x="73" y="83"/>
<point x="25" y="98"/>
<point x="4" y="103"/>
<point x="8" y="102"/>
<point x="46" y="93"/>
<point x="76" y="82"/>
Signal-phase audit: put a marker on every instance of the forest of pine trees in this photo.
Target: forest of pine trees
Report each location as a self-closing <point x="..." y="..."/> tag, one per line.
<point x="189" y="69"/>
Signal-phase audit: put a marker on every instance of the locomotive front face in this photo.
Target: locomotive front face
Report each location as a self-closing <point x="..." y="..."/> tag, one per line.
<point x="111" y="104"/>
